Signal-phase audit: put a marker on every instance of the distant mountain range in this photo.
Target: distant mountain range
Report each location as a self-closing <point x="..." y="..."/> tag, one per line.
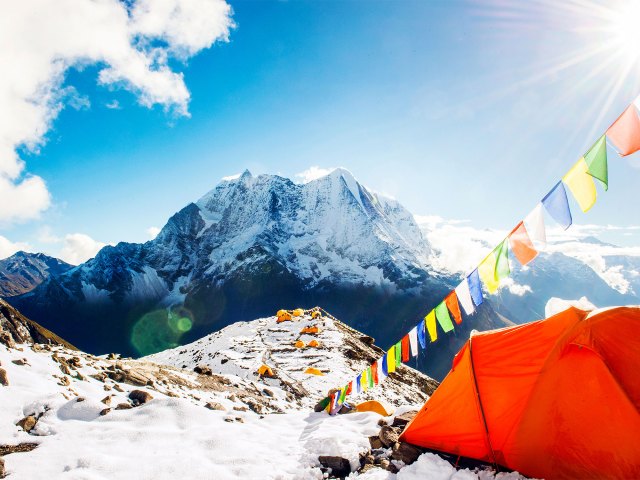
<point x="22" y="272"/>
<point x="254" y="245"/>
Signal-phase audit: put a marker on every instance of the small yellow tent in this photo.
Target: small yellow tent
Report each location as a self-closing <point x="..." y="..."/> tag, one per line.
<point x="314" y="344"/>
<point x="300" y="344"/>
<point x="265" y="371"/>
<point x="283" y="316"/>
<point x="298" y="312"/>
<point x="316" y="314"/>
<point x="314" y="371"/>
<point x="310" y="330"/>
<point x="374" y="406"/>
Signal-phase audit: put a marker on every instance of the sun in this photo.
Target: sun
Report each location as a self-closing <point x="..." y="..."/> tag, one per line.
<point x="624" y="26"/>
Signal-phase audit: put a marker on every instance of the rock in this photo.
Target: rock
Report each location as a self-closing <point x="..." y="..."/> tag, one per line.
<point x="112" y="356"/>
<point x="20" y="361"/>
<point x="402" y="420"/>
<point x="366" y="468"/>
<point x="27" y="423"/>
<point x="64" y="381"/>
<point x="387" y="465"/>
<point x="75" y="362"/>
<point x="171" y="394"/>
<point x="64" y="369"/>
<point x="118" y="388"/>
<point x="215" y="406"/>
<point x="2" y="472"/>
<point x="106" y="400"/>
<point x="369" y="459"/>
<point x="340" y="467"/>
<point x="382" y="422"/>
<point x="104" y="411"/>
<point x="4" y="380"/>
<point x="405" y="452"/>
<point x="267" y="392"/>
<point x="375" y="442"/>
<point x="80" y="399"/>
<point x="239" y="420"/>
<point x="389" y="436"/>
<point x="228" y="419"/>
<point x="139" y="397"/>
<point x="123" y="406"/>
<point x="203" y="370"/>
<point x="233" y="397"/>
<point x="7" y="340"/>
<point x="240" y="409"/>
<point x="106" y="387"/>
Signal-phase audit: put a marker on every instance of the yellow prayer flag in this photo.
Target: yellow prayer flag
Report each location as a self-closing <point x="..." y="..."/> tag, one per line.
<point x="364" y="382"/>
<point x="581" y="184"/>
<point x="487" y="272"/>
<point x="391" y="360"/>
<point x="430" y="322"/>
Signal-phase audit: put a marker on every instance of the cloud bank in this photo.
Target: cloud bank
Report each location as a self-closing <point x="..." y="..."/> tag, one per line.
<point x="131" y="41"/>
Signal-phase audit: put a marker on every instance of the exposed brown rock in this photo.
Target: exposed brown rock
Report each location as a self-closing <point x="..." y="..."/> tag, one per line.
<point x="215" y="406"/>
<point x="375" y="442"/>
<point x="339" y="467"/>
<point x="139" y="397"/>
<point x="402" y="420"/>
<point x="104" y="411"/>
<point x="27" y="423"/>
<point x="389" y="435"/>
<point x="203" y="370"/>
<point x="4" y="380"/>
<point x="123" y="406"/>
<point x="406" y="452"/>
<point x="20" y="361"/>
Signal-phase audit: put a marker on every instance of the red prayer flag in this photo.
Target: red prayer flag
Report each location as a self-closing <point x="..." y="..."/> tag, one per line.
<point x="374" y="372"/>
<point x="451" y="301"/>
<point x="350" y="387"/>
<point x="405" y="348"/>
<point x="625" y="132"/>
<point x="521" y="245"/>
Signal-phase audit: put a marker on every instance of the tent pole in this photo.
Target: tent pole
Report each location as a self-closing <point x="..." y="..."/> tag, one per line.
<point x="484" y="420"/>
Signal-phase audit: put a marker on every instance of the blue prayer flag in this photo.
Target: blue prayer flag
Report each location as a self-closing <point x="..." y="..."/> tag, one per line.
<point x="422" y="334"/>
<point x="475" y="287"/>
<point x="385" y="366"/>
<point x="557" y="204"/>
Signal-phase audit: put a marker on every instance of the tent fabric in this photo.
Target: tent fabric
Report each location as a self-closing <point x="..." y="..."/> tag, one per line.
<point x="265" y="371"/>
<point x="313" y="371"/>
<point x="556" y="398"/>
<point x="374" y="406"/>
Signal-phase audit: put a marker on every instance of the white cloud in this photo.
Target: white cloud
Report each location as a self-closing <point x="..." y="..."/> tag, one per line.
<point x="556" y="305"/>
<point x="113" y="105"/>
<point x="8" y="248"/>
<point x="231" y="177"/>
<point x="132" y="42"/>
<point x="458" y="248"/>
<point x="153" y="232"/>
<point x="313" y="173"/>
<point x="79" y="248"/>
<point x="514" y="287"/>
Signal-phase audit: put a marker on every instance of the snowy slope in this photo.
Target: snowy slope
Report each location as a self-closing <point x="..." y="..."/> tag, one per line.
<point x="240" y="349"/>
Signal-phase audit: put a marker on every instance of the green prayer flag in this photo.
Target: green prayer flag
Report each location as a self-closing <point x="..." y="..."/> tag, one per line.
<point x="343" y="395"/>
<point x="502" y="260"/>
<point x="596" y="159"/>
<point x="370" y="378"/>
<point x="399" y="353"/>
<point x="442" y="314"/>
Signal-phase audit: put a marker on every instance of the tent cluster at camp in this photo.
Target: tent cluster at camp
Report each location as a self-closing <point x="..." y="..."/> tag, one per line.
<point x="523" y="242"/>
<point x="291" y="316"/>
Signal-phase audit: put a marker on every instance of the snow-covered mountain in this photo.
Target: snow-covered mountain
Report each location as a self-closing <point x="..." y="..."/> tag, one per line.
<point x="247" y="248"/>
<point x="22" y="272"/>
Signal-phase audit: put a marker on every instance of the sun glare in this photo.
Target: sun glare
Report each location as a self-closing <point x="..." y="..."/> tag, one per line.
<point x="625" y="27"/>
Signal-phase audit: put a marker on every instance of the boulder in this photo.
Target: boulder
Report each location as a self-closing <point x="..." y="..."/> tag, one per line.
<point x="123" y="406"/>
<point x="405" y="452"/>
<point x="203" y="370"/>
<point x="139" y="397"/>
<point x="27" y="423"/>
<point x="4" y="380"/>
<point x="104" y="411"/>
<point x="215" y="406"/>
<point x="389" y="436"/>
<point x="340" y="467"/>
<point x="375" y="442"/>
<point x="402" y="420"/>
<point x="20" y="361"/>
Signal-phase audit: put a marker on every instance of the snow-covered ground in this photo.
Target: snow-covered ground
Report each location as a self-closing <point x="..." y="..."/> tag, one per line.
<point x="87" y="427"/>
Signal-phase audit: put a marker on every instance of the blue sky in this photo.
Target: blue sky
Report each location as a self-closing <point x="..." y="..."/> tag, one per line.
<point x="463" y="109"/>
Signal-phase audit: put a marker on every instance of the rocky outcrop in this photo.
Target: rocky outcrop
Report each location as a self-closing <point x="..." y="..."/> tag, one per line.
<point x="16" y="328"/>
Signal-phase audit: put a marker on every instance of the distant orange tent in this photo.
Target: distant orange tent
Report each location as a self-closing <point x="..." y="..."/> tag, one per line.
<point x="556" y="398"/>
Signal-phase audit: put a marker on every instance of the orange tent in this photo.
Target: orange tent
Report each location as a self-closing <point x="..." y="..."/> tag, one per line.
<point x="556" y="398"/>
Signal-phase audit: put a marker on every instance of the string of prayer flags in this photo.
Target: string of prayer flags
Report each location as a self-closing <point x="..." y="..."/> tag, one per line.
<point x="422" y="334"/>
<point x="521" y="244"/>
<point x="398" y="351"/>
<point x="413" y="341"/>
<point x="371" y="384"/>
<point x="452" y="304"/>
<point x="359" y="383"/>
<point x="430" y="322"/>
<point x="557" y="205"/>
<point x="464" y="295"/>
<point x="596" y="159"/>
<point x="503" y="270"/>
<point x="442" y="314"/>
<point x="534" y="223"/>
<point x="364" y="381"/>
<point x="475" y="288"/>
<point x="625" y="132"/>
<point x="581" y="185"/>
<point x="405" y="348"/>
<point x="391" y="359"/>
<point x="343" y="395"/>
<point x="350" y="387"/>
